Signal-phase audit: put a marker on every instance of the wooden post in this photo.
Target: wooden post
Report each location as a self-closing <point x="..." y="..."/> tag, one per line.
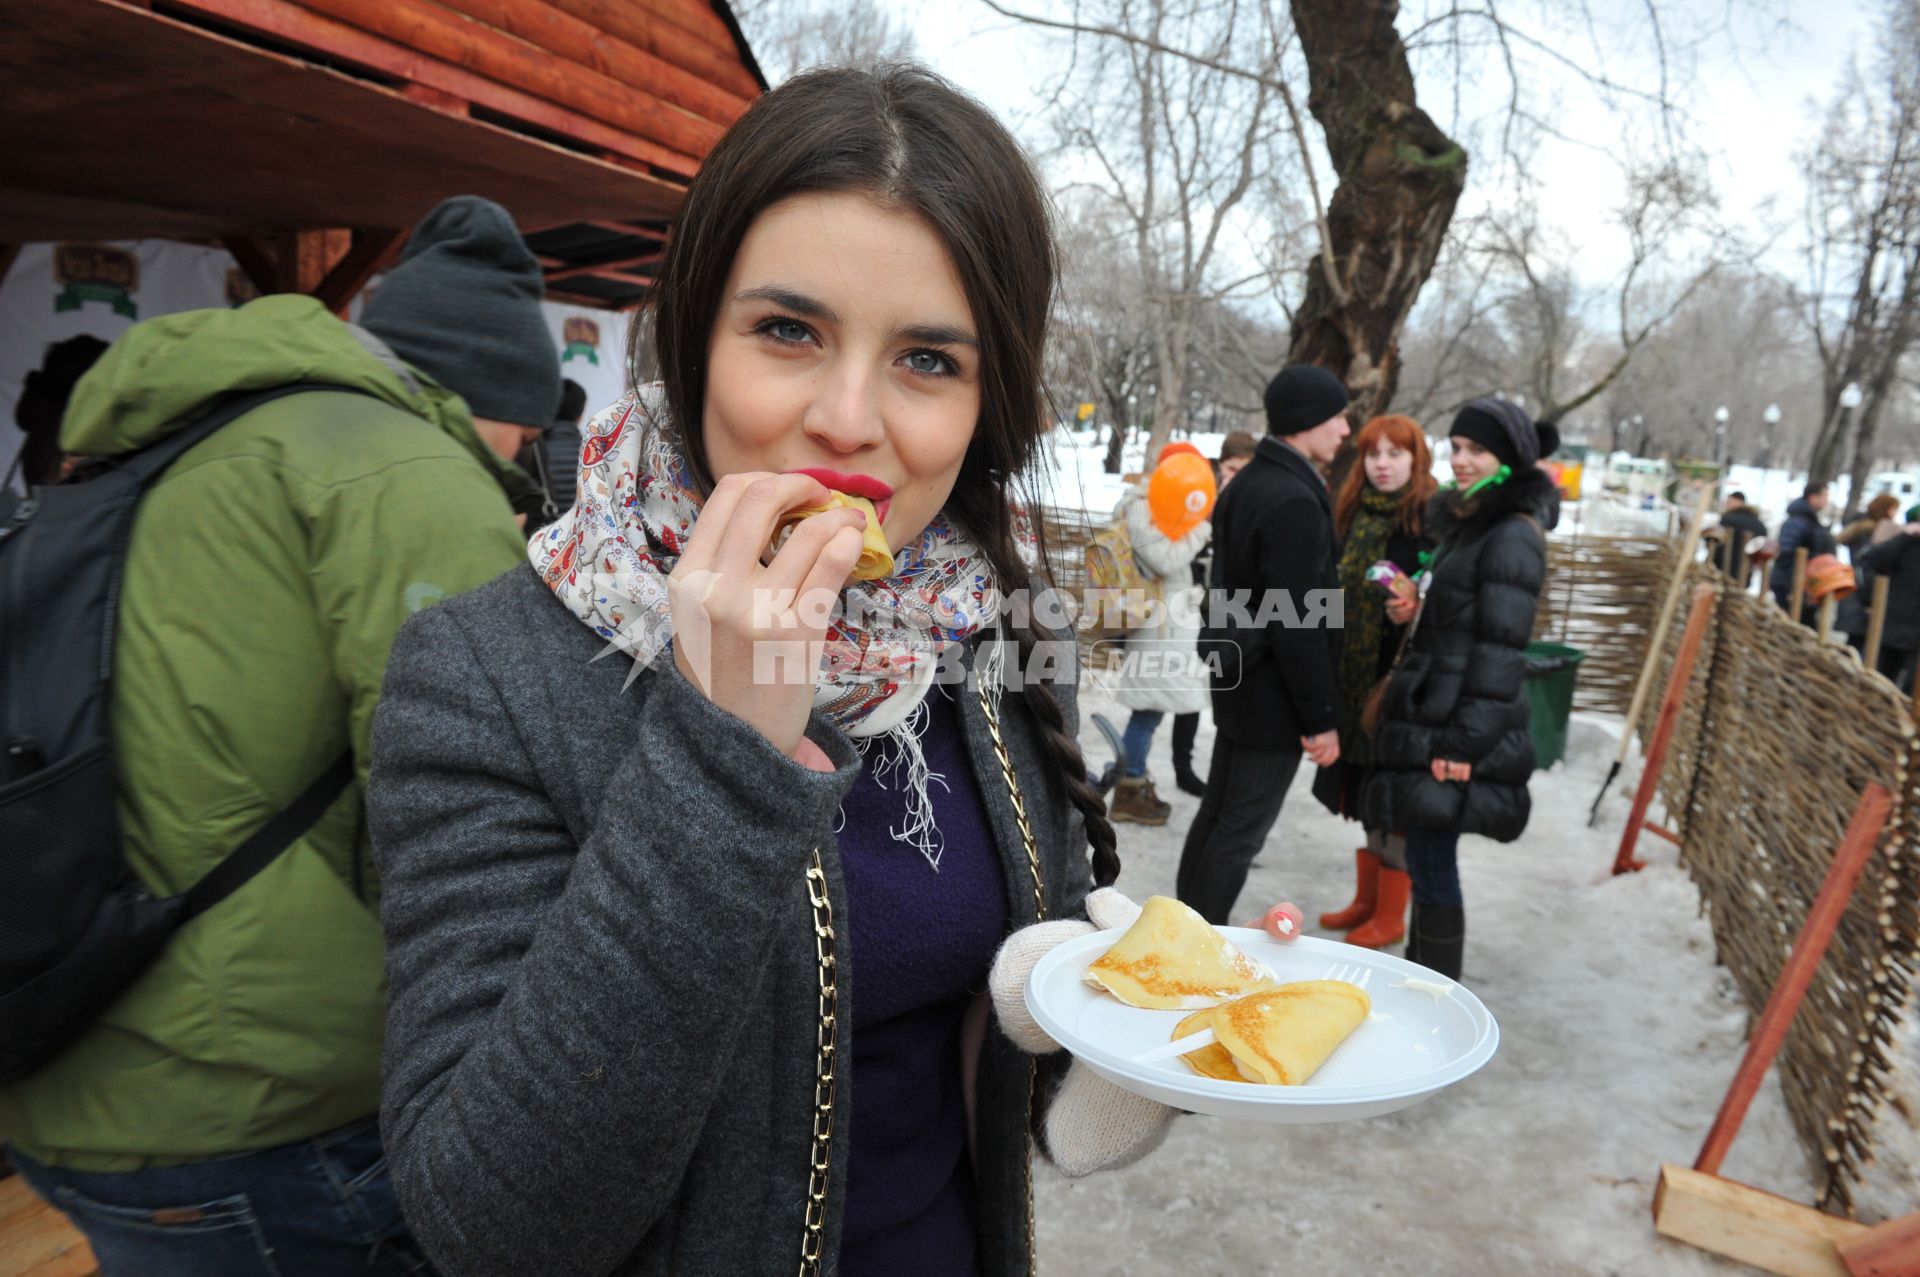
<point x="1809" y="946"/>
<point x="373" y="249"/>
<point x="1799" y="596"/>
<point x="1703" y="596"/>
<point x="1768" y="1232"/>
<point x="1668" y="607"/>
<point x="1828" y="606"/>
<point x="1876" y="620"/>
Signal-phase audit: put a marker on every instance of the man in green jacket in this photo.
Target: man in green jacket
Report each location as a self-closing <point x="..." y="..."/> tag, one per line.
<point x="222" y="1110"/>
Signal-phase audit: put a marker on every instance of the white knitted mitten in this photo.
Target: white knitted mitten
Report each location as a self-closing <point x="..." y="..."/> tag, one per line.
<point x="1007" y="979"/>
<point x="1094" y="1125"/>
<point x="1022" y="951"/>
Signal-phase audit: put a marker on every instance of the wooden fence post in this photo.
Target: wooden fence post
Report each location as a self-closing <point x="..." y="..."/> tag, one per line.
<point x="1843" y="874"/>
<point x="1670" y="704"/>
<point x="1876" y="620"/>
<point x="1799" y="595"/>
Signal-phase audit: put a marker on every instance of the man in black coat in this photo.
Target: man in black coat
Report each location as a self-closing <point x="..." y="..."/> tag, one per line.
<point x="1273" y="628"/>
<point x="1801" y="530"/>
<point x="1738" y="526"/>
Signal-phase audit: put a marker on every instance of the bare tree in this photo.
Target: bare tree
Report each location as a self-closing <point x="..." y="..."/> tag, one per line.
<point x="1399" y="175"/>
<point x="1666" y="206"/>
<point x="1108" y="335"/>
<point x="1175" y="146"/>
<point x="791" y="36"/>
<point x="1863" y="245"/>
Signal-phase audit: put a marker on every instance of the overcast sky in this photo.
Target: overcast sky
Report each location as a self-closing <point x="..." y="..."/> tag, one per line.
<point x="1754" y="100"/>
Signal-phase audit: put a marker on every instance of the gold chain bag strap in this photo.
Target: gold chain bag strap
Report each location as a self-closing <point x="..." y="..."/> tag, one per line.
<point x="991" y="708"/>
<point x="828" y="1030"/>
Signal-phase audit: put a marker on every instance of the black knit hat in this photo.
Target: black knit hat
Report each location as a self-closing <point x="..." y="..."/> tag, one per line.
<point x="463" y="306"/>
<point x="1302" y="396"/>
<point x="1503" y="428"/>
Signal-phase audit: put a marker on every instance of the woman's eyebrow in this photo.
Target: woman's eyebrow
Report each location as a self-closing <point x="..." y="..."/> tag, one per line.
<point x="937" y="335"/>
<point x="788" y="299"/>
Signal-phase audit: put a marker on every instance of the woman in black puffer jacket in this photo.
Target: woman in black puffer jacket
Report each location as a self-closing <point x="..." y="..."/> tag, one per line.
<point x="1453" y="753"/>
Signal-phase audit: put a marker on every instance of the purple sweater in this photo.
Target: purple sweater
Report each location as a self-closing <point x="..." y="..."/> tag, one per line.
<point x="920" y="943"/>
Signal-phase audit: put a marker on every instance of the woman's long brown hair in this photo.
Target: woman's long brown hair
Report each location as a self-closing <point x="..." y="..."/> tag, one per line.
<point x="1405" y="432"/>
<point x="907" y="138"/>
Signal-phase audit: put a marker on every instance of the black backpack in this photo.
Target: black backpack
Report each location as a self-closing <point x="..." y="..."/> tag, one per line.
<point x="76" y="926"/>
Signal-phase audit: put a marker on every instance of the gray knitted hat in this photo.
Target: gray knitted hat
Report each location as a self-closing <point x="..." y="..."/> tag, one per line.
<point x="463" y="306"/>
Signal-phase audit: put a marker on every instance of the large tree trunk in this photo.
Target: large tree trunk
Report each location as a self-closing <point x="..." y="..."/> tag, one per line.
<point x="1399" y="179"/>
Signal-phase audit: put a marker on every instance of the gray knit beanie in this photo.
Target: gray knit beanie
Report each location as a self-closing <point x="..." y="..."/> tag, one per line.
<point x="463" y="306"/>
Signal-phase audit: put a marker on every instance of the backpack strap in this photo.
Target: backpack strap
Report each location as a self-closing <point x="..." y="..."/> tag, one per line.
<point x="293" y="821"/>
<point x="286" y="827"/>
<point x="146" y="465"/>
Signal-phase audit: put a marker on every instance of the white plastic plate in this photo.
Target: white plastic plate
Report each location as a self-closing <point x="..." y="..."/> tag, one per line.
<point x="1414" y="1044"/>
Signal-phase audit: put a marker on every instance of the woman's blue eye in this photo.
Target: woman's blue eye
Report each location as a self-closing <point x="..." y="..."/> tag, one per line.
<point x="930" y="362"/>
<point x="788" y="330"/>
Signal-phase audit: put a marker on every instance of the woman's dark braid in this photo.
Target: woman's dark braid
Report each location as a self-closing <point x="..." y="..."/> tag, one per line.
<point x="1069" y="763"/>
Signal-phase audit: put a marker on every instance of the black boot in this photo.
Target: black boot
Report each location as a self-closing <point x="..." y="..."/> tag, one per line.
<point x="1185" y="727"/>
<point x="1413" y="933"/>
<point x="1438" y="937"/>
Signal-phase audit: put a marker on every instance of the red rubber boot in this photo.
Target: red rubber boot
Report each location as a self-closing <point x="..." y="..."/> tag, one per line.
<point x="1366" y="890"/>
<point x="1389" y="922"/>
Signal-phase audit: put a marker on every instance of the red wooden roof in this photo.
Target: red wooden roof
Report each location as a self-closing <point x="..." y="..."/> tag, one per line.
<point x="250" y="121"/>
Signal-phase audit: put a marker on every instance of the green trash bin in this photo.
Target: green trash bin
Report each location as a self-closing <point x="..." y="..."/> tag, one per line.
<point x="1551" y="669"/>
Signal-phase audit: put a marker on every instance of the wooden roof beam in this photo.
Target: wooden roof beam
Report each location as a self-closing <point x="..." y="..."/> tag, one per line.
<point x="606" y="270"/>
<point x="372" y="250"/>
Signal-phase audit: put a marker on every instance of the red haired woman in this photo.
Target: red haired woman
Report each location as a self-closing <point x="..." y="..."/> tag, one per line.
<point x="1376" y="515"/>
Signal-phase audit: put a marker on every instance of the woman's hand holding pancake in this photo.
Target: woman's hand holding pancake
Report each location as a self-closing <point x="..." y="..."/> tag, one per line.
<point x="748" y="634"/>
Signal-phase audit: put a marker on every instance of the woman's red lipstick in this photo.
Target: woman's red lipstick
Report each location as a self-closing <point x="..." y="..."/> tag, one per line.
<point x="854" y="485"/>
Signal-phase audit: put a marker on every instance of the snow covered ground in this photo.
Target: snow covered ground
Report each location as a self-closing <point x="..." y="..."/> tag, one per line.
<point x="1619" y="1035"/>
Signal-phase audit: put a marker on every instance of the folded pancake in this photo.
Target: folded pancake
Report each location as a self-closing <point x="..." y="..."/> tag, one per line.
<point x="1172" y="959"/>
<point x="1214" y="1060"/>
<point x="876" y="560"/>
<point x="1281" y="1036"/>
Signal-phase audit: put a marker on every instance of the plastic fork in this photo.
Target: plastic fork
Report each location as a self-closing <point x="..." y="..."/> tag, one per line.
<point x="1352" y="973"/>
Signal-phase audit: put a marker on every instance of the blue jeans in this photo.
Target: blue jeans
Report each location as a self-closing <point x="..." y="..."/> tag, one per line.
<point x="1139" y="737"/>
<point x="1433" y="862"/>
<point x="323" y="1207"/>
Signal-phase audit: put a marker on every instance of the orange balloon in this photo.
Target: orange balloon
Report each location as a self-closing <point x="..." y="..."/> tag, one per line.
<point x="1180" y="494"/>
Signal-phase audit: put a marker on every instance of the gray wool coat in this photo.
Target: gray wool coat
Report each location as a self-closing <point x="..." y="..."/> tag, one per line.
<point x="603" y="981"/>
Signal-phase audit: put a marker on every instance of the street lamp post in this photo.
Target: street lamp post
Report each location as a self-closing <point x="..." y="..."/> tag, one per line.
<point x="1772" y="417"/>
<point x="1720" y="416"/>
<point x="1850" y="399"/>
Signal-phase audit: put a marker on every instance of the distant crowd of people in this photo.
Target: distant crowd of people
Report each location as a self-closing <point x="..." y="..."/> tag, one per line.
<point x="1418" y="727"/>
<point x="1878" y="544"/>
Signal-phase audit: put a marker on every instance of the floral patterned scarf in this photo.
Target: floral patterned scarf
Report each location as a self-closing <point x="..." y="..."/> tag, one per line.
<point x="608" y="559"/>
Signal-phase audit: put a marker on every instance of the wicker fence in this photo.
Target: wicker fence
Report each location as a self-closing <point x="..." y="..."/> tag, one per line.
<point x="1603" y="596"/>
<point x="1778" y="737"/>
